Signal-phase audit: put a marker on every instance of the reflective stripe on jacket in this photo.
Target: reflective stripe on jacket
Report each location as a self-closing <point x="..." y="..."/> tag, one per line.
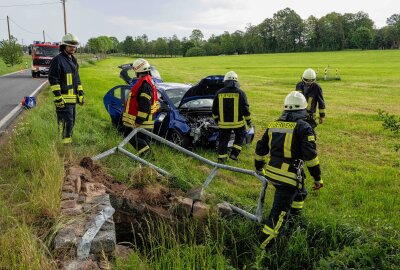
<point x="230" y="108"/>
<point x="64" y="78"/>
<point x="314" y="97"/>
<point x="287" y="140"/>
<point x="141" y="104"/>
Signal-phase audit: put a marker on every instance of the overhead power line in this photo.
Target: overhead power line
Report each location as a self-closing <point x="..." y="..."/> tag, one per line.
<point x="33" y="4"/>
<point x="24" y="28"/>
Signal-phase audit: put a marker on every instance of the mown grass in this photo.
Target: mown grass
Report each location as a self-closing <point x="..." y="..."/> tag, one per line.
<point x="352" y="223"/>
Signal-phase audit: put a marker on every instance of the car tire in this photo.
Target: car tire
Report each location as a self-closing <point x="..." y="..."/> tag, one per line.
<point x="179" y="139"/>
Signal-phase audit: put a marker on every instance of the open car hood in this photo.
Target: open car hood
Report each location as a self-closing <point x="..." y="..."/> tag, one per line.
<point x="206" y="88"/>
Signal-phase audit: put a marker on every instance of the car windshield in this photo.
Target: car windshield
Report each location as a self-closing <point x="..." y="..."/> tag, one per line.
<point x="198" y="103"/>
<point x="176" y="94"/>
<point x="46" y="51"/>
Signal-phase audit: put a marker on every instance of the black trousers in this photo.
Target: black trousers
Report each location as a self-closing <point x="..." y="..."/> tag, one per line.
<point x="140" y="141"/>
<point x="225" y="136"/>
<point x="288" y="200"/>
<point x="66" y="117"/>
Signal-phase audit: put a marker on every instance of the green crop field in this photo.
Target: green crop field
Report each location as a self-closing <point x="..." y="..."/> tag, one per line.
<point x="352" y="223"/>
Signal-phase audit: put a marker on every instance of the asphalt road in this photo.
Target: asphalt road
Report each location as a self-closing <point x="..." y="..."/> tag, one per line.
<point x="13" y="88"/>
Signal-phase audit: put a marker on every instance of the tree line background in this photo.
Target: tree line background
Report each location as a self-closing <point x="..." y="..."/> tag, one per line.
<point x="286" y="31"/>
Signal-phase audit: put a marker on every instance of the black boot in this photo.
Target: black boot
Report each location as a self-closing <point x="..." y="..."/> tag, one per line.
<point x="221" y="160"/>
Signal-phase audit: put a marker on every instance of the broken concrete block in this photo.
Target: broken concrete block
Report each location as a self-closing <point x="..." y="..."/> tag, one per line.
<point x="93" y="189"/>
<point x="182" y="207"/>
<point x="196" y="194"/>
<point x="224" y="210"/>
<point x="68" y="204"/>
<point x="103" y="241"/>
<point x="200" y="210"/>
<point x="69" y="196"/>
<point x="68" y="188"/>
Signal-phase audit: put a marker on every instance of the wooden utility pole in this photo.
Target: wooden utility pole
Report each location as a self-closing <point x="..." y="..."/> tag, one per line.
<point x="8" y="25"/>
<point x="65" y="18"/>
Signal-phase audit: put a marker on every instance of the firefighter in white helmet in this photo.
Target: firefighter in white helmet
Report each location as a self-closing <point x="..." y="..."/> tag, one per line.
<point x="314" y="96"/>
<point x="140" y="106"/>
<point x="290" y="142"/>
<point x="66" y="86"/>
<point x="231" y="111"/>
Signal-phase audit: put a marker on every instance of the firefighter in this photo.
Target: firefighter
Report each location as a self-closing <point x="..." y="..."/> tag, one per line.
<point x="66" y="86"/>
<point x="231" y="111"/>
<point x="140" y="106"/>
<point x="313" y="93"/>
<point x="289" y="141"/>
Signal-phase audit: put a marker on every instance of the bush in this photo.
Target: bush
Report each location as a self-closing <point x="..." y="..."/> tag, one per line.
<point x="11" y="52"/>
<point x="195" y="51"/>
<point x="390" y="121"/>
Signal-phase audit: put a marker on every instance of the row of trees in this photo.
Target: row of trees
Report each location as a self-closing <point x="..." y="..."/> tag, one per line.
<point x="285" y="32"/>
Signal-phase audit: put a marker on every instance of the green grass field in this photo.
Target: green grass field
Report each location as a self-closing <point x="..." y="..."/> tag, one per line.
<point x="352" y="223"/>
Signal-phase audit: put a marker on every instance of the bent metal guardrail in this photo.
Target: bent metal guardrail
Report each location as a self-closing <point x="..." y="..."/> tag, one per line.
<point x="120" y="148"/>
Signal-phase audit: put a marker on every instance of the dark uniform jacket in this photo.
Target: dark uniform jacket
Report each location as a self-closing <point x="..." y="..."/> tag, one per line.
<point x="288" y="140"/>
<point x="314" y="97"/>
<point x="230" y="107"/>
<point x="64" y="78"/>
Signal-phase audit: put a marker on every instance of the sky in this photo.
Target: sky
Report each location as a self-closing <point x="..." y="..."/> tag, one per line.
<point x="158" y="18"/>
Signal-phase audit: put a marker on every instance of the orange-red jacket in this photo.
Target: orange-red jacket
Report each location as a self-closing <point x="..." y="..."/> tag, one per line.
<point x="141" y="104"/>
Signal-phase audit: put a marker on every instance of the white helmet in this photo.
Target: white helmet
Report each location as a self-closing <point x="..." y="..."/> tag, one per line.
<point x="295" y="101"/>
<point x="309" y="75"/>
<point x="141" y="65"/>
<point x="70" y="40"/>
<point x="231" y="76"/>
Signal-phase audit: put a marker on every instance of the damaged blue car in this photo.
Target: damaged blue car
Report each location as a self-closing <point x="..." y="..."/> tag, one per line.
<point x="185" y="111"/>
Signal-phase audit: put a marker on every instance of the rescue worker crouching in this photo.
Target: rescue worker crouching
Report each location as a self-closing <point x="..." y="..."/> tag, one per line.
<point x="140" y="106"/>
<point x="66" y="86"/>
<point x="231" y="112"/>
<point x="289" y="141"/>
<point x="314" y="96"/>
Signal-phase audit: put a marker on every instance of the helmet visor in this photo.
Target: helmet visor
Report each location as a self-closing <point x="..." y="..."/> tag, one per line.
<point x="72" y="43"/>
<point x="308" y="81"/>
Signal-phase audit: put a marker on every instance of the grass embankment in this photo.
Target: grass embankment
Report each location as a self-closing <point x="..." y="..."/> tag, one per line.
<point x="26" y="63"/>
<point x="84" y="59"/>
<point x="352" y="222"/>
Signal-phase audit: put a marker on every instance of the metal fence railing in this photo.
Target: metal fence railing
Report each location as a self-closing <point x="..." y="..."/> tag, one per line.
<point x="216" y="166"/>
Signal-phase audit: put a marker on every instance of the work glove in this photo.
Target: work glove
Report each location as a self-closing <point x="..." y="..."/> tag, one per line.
<point x="81" y="99"/>
<point x="318" y="184"/>
<point x="59" y="102"/>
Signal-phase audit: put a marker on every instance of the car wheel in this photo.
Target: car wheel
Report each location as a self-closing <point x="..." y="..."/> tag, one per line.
<point x="180" y="139"/>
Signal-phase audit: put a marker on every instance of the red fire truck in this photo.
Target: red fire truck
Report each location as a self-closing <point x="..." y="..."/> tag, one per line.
<point x="42" y="53"/>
